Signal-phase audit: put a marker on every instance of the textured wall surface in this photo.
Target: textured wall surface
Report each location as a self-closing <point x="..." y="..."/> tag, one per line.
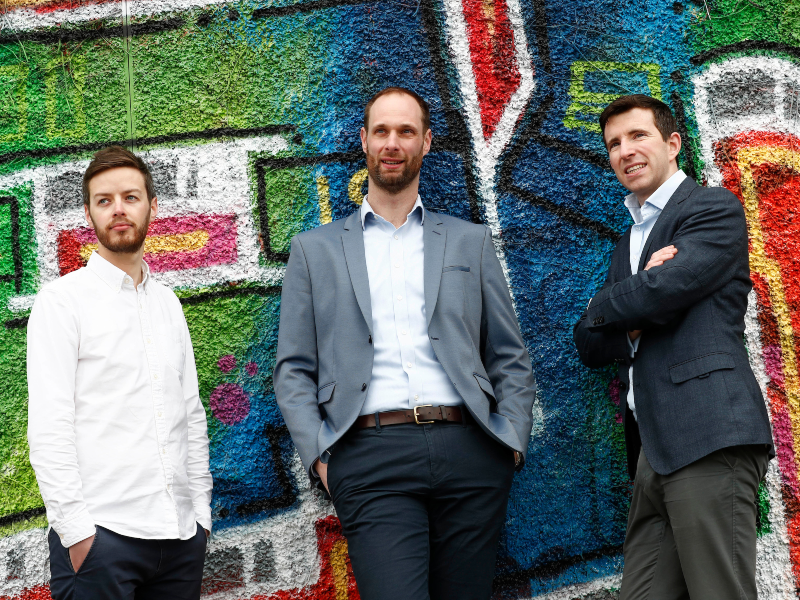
<point x="248" y="112"/>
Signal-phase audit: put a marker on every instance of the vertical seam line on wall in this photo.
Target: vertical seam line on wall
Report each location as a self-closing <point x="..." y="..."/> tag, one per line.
<point x="127" y="39"/>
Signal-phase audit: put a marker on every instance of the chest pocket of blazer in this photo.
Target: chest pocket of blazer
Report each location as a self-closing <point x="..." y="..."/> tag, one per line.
<point x="700" y="366"/>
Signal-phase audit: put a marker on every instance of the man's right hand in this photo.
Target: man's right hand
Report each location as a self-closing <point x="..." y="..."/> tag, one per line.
<point x="322" y="470"/>
<point x="660" y="257"/>
<point x="78" y="552"/>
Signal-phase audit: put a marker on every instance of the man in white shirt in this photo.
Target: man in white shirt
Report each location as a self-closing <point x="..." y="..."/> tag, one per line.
<point x="671" y="315"/>
<point x="116" y="429"/>
<point x="403" y="377"/>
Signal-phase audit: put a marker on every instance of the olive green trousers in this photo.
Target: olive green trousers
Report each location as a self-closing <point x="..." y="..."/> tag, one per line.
<point x="692" y="534"/>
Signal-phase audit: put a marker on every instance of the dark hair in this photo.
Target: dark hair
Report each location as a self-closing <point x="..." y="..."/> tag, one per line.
<point x="662" y="115"/>
<point x="112" y="158"/>
<point x="426" y="111"/>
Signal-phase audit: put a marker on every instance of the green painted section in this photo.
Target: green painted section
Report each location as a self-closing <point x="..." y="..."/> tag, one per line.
<point x="734" y="21"/>
<point x="240" y="74"/>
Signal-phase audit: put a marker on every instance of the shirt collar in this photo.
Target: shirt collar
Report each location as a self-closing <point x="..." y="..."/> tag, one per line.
<point x="113" y="276"/>
<point x="367" y="209"/>
<point x="660" y="197"/>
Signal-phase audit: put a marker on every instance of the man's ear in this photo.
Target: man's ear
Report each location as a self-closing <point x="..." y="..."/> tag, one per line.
<point x="675" y="143"/>
<point x="364" y="140"/>
<point x="426" y="146"/>
<point x="153" y="207"/>
<point x="88" y="215"/>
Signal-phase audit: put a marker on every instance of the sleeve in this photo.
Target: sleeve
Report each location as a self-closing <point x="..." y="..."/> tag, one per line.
<point x="600" y="348"/>
<point x="503" y="350"/>
<point x="711" y="243"/>
<point x="198" y="472"/>
<point x="52" y="361"/>
<point x="296" y="365"/>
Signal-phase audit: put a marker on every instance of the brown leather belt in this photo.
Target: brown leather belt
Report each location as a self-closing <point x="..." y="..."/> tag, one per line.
<point x="421" y="415"/>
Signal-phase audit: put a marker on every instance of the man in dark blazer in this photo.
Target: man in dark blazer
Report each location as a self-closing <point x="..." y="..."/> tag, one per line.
<point x="402" y="375"/>
<point x="671" y="315"/>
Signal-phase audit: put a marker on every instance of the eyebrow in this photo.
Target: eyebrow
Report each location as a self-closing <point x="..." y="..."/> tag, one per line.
<point x="131" y="191"/>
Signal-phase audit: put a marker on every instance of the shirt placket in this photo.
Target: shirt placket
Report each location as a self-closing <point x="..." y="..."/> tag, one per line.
<point x="401" y="320"/>
<point x="155" y="369"/>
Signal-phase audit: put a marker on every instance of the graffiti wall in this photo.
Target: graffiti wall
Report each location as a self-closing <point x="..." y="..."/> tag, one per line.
<point x="248" y="112"/>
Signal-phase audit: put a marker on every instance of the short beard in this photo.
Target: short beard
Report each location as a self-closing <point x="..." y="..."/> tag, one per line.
<point x="124" y="244"/>
<point x="399" y="181"/>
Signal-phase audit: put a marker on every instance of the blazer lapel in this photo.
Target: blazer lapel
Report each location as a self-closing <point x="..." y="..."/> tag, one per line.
<point x="684" y="191"/>
<point x="434" y="238"/>
<point x="353" y="243"/>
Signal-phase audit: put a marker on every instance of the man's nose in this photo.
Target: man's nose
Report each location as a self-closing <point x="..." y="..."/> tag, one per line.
<point x="392" y="141"/>
<point x="119" y="206"/>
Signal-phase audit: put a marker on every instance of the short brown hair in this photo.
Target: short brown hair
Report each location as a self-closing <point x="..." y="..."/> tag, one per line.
<point x="114" y="157"/>
<point x="426" y="111"/>
<point x="662" y="115"/>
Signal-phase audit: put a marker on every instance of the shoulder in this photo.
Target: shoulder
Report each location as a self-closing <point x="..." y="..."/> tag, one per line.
<point x="714" y="196"/>
<point x="164" y="293"/>
<point x="69" y="285"/>
<point x="459" y="225"/>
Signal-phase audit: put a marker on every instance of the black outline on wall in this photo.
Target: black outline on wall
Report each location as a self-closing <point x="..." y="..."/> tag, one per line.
<point x="744" y="46"/>
<point x="16" y="255"/>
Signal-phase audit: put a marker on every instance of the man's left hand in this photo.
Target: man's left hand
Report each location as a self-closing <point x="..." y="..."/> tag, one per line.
<point x="208" y="533"/>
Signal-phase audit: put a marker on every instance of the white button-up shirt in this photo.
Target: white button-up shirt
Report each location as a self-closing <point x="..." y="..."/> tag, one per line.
<point x="644" y="219"/>
<point x="116" y="429"/>
<point x="405" y="370"/>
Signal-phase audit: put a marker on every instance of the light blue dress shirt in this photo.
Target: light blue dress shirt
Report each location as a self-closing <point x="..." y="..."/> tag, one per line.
<point x="405" y="370"/>
<point x="644" y="219"/>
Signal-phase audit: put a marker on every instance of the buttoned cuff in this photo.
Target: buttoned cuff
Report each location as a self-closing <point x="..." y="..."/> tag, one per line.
<point x="75" y="529"/>
<point x="202" y="514"/>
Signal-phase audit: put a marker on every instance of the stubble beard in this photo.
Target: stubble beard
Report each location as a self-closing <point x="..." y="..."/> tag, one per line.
<point x="394" y="183"/>
<point x="128" y="242"/>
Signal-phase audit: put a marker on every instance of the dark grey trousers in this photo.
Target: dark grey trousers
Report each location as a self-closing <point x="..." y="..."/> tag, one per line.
<point x="421" y="507"/>
<point x="692" y="533"/>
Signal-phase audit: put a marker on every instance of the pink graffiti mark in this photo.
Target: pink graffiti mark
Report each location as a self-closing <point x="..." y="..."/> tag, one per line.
<point x="251" y="368"/>
<point x="773" y="364"/>
<point x="227" y="363"/>
<point x="229" y="403"/>
<point x="219" y="249"/>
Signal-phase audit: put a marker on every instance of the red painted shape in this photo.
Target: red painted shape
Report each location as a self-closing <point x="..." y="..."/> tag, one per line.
<point x="69" y="258"/>
<point x="494" y="61"/>
<point x="778" y="190"/>
<point x="220" y="248"/>
<point x="39" y="592"/>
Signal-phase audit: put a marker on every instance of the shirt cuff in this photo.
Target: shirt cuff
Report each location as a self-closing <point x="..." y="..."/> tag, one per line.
<point x="75" y="529"/>
<point x="202" y="514"/>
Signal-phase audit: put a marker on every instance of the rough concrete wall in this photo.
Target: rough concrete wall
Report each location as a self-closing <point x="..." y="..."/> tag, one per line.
<point x="249" y="112"/>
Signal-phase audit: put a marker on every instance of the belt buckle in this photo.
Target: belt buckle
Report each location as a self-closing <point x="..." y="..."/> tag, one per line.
<point x="416" y="414"/>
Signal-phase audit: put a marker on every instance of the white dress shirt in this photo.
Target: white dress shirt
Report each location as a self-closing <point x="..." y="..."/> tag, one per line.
<point x="644" y="219"/>
<point x="405" y="370"/>
<point x="116" y="429"/>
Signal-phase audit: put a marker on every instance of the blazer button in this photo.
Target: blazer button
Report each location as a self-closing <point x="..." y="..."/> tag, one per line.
<point x="370" y="339"/>
<point x="363" y="386"/>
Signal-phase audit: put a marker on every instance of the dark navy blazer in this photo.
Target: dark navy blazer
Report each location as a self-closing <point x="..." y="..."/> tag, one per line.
<point x="695" y="391"/>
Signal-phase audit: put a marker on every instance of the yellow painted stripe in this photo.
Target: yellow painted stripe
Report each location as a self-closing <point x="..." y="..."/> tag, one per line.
<point x="159" y="244"/>
<point x="339" y="567"/>
<point x="769" y="269"/>
<point x="324" y="199"/>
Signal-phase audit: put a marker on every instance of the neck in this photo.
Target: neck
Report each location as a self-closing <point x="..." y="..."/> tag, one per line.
<point x="393" y="207"/>
<point x="644" y="197"/>
<point x="131" y="263"/>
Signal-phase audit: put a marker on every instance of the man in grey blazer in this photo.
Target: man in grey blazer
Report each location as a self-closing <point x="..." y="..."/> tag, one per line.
<point x="671" y="315"/>
<point x="402" y="375"/>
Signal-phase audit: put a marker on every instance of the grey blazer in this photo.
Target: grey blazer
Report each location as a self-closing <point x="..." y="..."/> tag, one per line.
<point x="324" y="360"/>
<point x="694" y="389"/>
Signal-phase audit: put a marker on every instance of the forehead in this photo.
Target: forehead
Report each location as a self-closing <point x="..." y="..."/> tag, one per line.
<point x="636" y="119"/>
<point x="116" y="179"/>
<point x="395" y="108"/>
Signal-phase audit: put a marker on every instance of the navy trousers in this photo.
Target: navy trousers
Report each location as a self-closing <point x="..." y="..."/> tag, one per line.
<point x="421" y="507"/>
<point x="125" y="568"/>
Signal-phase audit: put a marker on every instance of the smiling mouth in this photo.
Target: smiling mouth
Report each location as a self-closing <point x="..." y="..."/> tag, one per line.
<point x="391" y="163"/>
<point x="634" y="169"/>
